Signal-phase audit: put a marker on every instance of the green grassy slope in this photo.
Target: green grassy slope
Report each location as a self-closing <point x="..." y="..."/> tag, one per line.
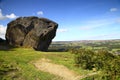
<point x="17" y="64"/>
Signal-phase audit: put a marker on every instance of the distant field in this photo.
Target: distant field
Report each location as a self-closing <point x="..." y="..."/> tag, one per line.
<point x="111" y="45"/>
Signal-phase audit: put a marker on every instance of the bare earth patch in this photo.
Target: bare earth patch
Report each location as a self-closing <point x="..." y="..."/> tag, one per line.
<point x="47" y="66"/>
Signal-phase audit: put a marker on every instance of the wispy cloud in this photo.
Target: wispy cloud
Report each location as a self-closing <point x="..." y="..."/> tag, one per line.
<point x="102" y="22"/>
<point x="2" y="31"/>
<point x="10" y="16"/>
<point x="1" y="15"/>
<point x="113" y="9"/>
<point x="92" y="24"/>
<point x="40" y="13"/>
<point x="104" y="36"/>
<point x="62" y="30"/>
<point x="118" y="20"/>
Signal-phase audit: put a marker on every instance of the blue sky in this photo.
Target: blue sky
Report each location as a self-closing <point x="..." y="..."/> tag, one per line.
<point x="77" y="19"/>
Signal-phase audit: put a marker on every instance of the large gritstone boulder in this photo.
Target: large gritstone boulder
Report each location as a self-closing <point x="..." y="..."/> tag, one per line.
<point x="31" y="32"/>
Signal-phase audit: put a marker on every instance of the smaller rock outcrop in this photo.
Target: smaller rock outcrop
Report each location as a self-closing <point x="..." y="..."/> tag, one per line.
<point x="2" y="40"/>
<point x="31" y="32"/>
<point x="3" y="45"/>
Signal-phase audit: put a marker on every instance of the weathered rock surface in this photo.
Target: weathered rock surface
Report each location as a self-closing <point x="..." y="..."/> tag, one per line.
<point x="31" y="32"/>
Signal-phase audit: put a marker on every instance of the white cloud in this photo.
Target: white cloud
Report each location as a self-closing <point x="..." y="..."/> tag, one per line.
<point x="40" y="13"/>
<point x="10" y="16"/>
<point x="2" y="31"/>
<point x="113" y="9"/>
<point x="62" y="30"/>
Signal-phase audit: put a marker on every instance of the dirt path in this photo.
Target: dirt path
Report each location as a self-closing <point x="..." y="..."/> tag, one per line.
<point x="47" y="66"/>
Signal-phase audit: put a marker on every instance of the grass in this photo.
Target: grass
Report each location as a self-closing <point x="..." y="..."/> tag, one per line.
<point x="22" y="68"/>
<point x="16" y="64"/>
<point x="66" y="59"/>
